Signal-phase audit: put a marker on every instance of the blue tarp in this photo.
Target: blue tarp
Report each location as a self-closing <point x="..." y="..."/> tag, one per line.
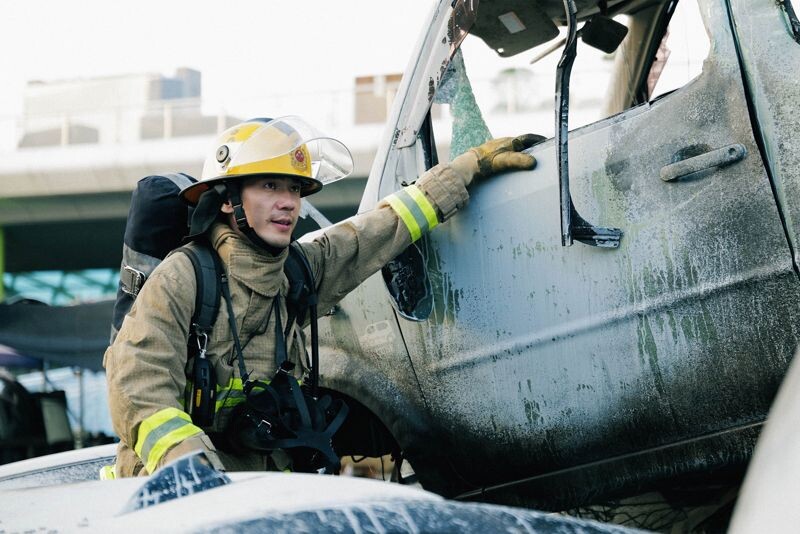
<point x="11" y="358"/>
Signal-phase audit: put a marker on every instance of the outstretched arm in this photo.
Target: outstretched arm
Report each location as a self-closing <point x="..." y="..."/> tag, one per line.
<point x="351" y="251"/>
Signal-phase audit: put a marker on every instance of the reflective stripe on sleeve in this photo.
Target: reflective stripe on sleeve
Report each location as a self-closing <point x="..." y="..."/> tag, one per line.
<point x="160" y="432"/>
<point x="415" y="210"/>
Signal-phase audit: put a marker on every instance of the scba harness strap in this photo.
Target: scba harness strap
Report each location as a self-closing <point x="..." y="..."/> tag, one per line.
<point x="206" y="265"/>
<point x="280" y="414"/>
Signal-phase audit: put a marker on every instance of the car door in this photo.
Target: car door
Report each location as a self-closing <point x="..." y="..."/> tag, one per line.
<point x="534" y="357"/>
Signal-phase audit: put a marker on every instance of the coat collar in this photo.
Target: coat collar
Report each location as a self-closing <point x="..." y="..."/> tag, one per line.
<point x="256" y="269"/>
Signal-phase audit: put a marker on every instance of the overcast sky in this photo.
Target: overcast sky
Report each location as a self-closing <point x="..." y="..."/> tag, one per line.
<point x="243" y="47"/>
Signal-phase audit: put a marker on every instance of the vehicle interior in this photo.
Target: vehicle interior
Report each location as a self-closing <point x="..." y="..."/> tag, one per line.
<point x="621" y="61"/>
<point x="632" y="31"/>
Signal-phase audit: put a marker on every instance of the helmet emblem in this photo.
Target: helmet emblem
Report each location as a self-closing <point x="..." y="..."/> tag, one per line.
<point x="299" y="159"/>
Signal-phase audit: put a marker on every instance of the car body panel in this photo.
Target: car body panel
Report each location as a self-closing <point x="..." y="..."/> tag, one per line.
<point x="188" y="495"/>
<point x="99" y="506"/>
<point x="64" y="467"/>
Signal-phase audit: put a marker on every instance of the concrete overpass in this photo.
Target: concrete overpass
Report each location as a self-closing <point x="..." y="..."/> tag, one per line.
<point x="69" y="163"/>
<point x="64" y="207"/>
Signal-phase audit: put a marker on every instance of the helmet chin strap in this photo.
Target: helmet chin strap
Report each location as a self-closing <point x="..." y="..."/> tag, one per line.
<point x="235" y="196"/>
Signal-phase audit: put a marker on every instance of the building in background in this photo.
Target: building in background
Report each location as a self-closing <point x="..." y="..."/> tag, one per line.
<point x="113" y="109"/>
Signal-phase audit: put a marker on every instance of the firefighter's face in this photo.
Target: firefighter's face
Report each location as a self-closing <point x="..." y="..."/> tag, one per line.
<point x="272" y="205"/>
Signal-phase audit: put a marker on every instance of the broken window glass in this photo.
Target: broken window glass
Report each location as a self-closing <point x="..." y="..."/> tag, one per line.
<point x="467" y="128"/>
<point x="484" y="94"/>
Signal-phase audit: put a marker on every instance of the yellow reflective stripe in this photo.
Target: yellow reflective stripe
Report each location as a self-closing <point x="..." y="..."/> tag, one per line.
<point x="108" y="472"/>
<point x="166" y="443"/>
<point x="233" y="383"/>
<point x="228" y="402"/>
<point x="161" y="431"/>
<point x="154" y="421"/>
<point x="236" y="385"/>
<point x="425" y="205"/>
<point x="232" y="394"/>
<point x="405" y="215"/>
<point x="415" y="210"/>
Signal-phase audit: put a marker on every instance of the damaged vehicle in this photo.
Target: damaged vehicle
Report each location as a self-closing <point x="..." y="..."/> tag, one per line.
<point x="606" y="331"/>
<point x="616" y="321"/>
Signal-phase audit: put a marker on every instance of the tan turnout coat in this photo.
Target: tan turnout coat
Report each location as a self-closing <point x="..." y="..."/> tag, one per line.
<point x="147" y="365"/>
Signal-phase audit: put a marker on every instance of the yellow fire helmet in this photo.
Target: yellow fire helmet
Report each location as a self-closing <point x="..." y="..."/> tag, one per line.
<point x="286" y="146"/>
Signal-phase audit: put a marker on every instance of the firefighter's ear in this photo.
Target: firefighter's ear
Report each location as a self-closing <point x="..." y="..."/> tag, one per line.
<point x="222" y="192"/>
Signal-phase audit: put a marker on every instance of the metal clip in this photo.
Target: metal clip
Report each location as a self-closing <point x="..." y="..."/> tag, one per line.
<point x="131" y="280"/>
<point x="201" y="346"/>
<point x="267" y="425"/>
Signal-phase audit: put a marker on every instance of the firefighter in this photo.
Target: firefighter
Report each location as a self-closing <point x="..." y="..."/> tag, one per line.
<point x="247" y="205"/>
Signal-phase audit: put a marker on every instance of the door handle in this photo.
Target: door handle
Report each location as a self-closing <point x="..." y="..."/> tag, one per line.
<point x="720" y="157"/>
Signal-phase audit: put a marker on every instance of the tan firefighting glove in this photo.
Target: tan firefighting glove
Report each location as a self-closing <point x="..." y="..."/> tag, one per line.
<point x="495" y="156"/>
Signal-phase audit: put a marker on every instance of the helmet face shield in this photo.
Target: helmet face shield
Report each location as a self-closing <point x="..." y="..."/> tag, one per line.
<point x="286" y="146"/>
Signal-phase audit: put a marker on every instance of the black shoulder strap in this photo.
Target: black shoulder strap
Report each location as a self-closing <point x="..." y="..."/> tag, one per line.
<point x="207" y="269"/>
<point x="302" y="288"/>
<point x="302" y="299"/>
